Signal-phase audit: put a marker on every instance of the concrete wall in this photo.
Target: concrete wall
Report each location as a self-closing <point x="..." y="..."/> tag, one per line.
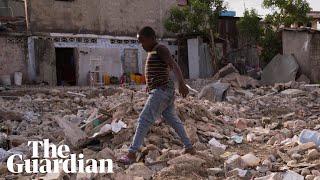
<point x="13" y="55"/>
<point x="15" y="8"/>
<point x="306" y="47"/>
<point x="113" y="54"/>
<point x="120" y="17"/>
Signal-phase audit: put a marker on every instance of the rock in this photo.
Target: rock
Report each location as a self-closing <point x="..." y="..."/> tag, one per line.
<point x="317" y="178"/>
<point x="234" y="161"/>
<point x="187" y="158"/>
<point x="247" y="82"/>
<point x="310" y="177"/>
<point x="302" y="148"/>
<point x="263" y="168"/>
<point x="273" y="176"/>
<point x="292" y="92"/>
<point x="267" y="163"/>
<point x="155" y="139"/>
<point x="214" y="92"/>
<point x="214" y="171"/>
<point x="15" y="141"/>
<point x="304" y="78"/>
<point x="200" y="146"/>
<point x="289" y="175"/>
<point x="217" y="144"/>
<point x="3" y="141"/>
<point x="281" y="69"/>
<point x="192" y="133"/>
<point x="152" y="156"/>
<point x="241" y="123"/>
<point x="84" y="176"/>
<point x="238" y="172"/>
<point x="313" y="154"/>
<point x="296" y="156"/>
<point x="139" y="170"/>
<point x="305" y="172"/>
<point x="225" y="71"/>
<point x="250" y="160"/>
<point x="315" y="172"/>
<point x="106" y="153"/>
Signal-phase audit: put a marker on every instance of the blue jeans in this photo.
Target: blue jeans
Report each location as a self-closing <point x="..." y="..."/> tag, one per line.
<point x="160" y="102"/>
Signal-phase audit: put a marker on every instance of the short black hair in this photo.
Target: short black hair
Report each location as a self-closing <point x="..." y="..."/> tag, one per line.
<point x="147" y="31"/>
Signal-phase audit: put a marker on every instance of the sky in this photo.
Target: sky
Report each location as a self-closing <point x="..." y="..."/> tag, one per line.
<point x="239" y="6"/>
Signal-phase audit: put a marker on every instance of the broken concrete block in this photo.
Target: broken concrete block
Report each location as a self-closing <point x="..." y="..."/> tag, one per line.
<point x="282" y="69"/>
<point x="315" y="172"/>
<point x="214" y="92"/>
<point x="139" y="170"/>
<point x="247" y="82"/>
<point x="304" y="78"/>
<point x="106" y="153"/>
<point x="241" y="123"/>
<point x="215" y="171"/>
<point x="292" y="92"/>
<point x="72" y="132"/>
<point x="234" y="161"/>
<point x="152" y="156"/>
<point x="251" y="160"/>
<point x="215" y="143"/>
<point x="302" y="148"/>
<point x="313" y="154"/>
<point x="310" y="177"/>
<point x="4" y="155"/>
<point x="225" y="71"/>
<point x="187" y="158"/>
<point x="289" y="175"/>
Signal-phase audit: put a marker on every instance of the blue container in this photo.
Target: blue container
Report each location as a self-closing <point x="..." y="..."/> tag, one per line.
<point x="228" y="13"/>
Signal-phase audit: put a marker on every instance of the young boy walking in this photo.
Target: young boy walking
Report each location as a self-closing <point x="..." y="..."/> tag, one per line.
<point x="161" y="94"/>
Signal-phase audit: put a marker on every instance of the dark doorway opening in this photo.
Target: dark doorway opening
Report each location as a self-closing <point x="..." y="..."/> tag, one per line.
<point x="66" y="67"/>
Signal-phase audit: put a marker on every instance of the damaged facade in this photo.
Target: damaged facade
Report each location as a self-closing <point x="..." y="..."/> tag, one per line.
<point x="304" y="44"/>
<point x="63" y="41"/>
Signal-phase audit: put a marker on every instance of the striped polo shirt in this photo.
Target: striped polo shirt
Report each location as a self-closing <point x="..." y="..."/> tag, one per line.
<point x="156" y="70"/>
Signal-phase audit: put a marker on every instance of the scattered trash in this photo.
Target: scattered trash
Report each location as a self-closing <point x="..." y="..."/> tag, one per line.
<point x="116" y="127"/>
<point x="237" y="139"/>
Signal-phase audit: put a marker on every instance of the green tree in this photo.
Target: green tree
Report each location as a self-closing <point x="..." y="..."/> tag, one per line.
<point x="250" y="27"/>
<point x="199" y="17"/>
<point x="287" y="12"/>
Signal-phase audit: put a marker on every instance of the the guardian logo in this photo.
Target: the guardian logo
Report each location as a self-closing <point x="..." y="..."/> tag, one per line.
<point x="60" y="156"/>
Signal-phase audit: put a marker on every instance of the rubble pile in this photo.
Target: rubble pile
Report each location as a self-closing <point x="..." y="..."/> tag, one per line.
<point x="262" y="133"/>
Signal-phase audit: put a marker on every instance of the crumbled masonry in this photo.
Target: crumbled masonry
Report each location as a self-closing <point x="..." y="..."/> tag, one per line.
<point x="253" y="133"/>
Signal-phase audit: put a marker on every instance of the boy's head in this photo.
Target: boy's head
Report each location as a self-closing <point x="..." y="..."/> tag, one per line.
<point x="147" y="37"/>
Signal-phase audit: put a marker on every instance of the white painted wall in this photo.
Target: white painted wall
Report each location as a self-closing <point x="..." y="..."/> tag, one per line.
<point x="194" y="58"/>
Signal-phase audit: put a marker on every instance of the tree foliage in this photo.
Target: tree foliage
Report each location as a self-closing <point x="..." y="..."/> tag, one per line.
<point x="249" y="26"/>
<point x="287" y="12"/>
<point x="199" y="17"/>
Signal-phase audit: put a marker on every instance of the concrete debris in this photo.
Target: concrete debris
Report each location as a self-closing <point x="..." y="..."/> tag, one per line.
<point x="139" y="170"/>
<point x="281" y="69"/>
<point x="303" y="78"/>
<point x="257" y="132"/>
<point x="250" y="160"/>
<point x="215" y="92"/>
<point x="229" y="69"/>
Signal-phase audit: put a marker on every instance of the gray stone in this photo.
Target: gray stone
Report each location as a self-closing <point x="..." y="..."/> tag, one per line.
<point x="214" y="92"/>
<point x="304" y="78"/>
<point x="282" y="69"/>
<point x="139" y="170"/>
<point x="225" y="71"/>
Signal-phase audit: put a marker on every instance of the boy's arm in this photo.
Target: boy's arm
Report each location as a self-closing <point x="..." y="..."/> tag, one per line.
<point x="165" y="55"/>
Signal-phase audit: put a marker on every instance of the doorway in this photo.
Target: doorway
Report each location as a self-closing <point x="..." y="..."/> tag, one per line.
<point x="66" y="67"/>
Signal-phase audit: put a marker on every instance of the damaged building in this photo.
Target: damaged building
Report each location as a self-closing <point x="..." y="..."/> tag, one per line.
<point x="63" y="45"/>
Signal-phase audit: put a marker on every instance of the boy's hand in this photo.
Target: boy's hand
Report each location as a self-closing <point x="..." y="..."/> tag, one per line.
<point x="183" y="90"/>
